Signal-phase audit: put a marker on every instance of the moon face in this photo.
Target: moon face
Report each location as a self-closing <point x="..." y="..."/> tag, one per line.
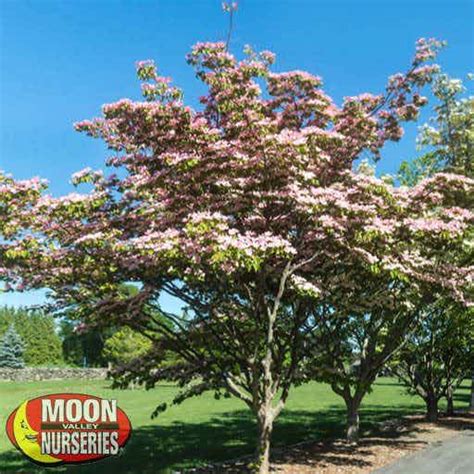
<point x="27" y="437"/>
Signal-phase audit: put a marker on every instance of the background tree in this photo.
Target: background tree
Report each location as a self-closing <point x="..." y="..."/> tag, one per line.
<point x="125" y="345"/>
<point x="84" y="344"/>
<point x="38" y="331"/>
<point x="449" y="135"/>
<point x="438" y="356"/>
<point x="83" y="347"/>
<point x="372" y="308"/>
<point x="449" y="138"/>
<point x="11" y="350"/>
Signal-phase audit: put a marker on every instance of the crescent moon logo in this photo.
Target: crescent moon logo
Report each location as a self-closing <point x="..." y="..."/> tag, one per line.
<point x="27" y="437"/>
<point x="68" y="428"/>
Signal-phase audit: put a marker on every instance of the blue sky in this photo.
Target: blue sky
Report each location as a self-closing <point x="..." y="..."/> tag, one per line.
<point x="61" y="60"/>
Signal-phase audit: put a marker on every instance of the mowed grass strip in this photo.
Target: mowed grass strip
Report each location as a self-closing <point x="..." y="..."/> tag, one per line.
<point x="203" y="430"/>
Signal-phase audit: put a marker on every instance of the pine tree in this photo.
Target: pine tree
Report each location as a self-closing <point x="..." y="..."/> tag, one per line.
<point x="11" y="350"/>
<point x="43" y="346"/>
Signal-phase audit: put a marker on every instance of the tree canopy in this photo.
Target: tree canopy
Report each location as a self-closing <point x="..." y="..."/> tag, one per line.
<point x="249" y="211"/>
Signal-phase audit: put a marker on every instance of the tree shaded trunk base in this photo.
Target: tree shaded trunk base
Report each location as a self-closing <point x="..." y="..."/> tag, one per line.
<point x="262" y="465"/>
<point x="352" y="429"/>
<point x="450" y="407"/>
<point x="432" y="410"/>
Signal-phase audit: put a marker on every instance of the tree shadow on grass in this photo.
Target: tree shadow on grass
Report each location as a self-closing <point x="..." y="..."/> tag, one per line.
<point x="176" y="447"/>
<point x="463" y="395"/>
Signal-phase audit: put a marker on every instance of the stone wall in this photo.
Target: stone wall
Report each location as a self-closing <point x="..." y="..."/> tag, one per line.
<point x="54" y="373"/>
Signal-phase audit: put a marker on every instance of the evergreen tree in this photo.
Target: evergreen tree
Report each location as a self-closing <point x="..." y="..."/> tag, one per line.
<point x="37" y="330"/>
<point x="11" y="350"/>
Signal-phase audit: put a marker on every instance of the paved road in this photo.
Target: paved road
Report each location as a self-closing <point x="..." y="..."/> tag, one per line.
<point x="453" y="456"/>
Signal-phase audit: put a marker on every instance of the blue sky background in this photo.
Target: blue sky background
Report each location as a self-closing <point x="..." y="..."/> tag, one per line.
<point x="61" y="60"/>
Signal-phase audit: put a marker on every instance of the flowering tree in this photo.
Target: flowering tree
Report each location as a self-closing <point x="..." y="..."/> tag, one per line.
<point x="448" y="139"/>
<point x="357" y="336"/>
<point x="248" y="211"/>
<point x="372" y="305"/>
<point x="437" y="356"/>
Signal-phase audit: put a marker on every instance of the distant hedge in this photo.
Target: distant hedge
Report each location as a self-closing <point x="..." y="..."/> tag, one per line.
<point x="37" y="330"/>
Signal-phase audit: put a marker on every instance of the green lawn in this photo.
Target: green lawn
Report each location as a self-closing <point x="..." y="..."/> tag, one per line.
<point x="202" y="429"/>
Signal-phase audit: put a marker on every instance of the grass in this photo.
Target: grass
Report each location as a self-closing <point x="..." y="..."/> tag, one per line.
<point x="203" y="430"/>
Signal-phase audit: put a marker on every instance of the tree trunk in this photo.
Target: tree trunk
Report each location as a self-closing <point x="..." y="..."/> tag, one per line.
<point x="265" y="427"/>
<point x="471" y="404"/>
<point x="449" y="399"/>
<point x="431" y="408"/>
<point x="352" y="430"/>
